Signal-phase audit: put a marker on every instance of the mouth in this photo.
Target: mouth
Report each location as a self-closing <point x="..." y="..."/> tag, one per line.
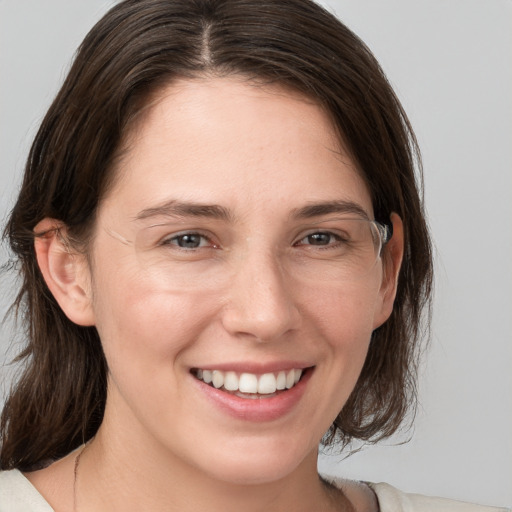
<point x="250" y="385"/>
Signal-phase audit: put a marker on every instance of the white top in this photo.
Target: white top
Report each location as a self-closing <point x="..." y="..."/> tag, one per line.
<point x="17" y="494"/>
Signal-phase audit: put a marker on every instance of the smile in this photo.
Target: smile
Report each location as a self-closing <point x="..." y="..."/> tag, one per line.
<point x="250" y="385"/>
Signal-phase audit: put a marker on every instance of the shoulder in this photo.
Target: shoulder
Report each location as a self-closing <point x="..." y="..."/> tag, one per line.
<point x="17" y="494"/>
<point x="393" y="500"/>
<point x="383" y="497"/>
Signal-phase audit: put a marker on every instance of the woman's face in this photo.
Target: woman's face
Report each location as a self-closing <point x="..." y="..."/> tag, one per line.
<point x="219" y="254"/>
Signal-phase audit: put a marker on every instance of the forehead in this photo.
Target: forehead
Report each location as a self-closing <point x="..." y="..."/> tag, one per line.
<point x="233" y="142"/>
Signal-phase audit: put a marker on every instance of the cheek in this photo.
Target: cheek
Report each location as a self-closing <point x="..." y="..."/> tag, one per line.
<point x="148" y="320"/>
<point x="144" y="334"/>
<point x="345" y="312"/>
<point x="143" y="327"/>
<point x="344" y="317"/>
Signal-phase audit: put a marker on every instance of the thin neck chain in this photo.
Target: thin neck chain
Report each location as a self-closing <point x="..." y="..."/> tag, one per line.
<point x="75" y="477"/>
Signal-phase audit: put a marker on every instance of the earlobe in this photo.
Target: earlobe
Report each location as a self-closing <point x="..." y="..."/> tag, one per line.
<point x="65" y="271"/>
<point x="392" y="261"/>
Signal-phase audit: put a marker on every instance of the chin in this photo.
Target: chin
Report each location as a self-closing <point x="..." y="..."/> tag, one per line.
<point x="243" y="464"/>
<point x="254" y="473"/>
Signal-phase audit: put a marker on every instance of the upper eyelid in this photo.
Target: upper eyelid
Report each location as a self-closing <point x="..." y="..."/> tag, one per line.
<point x="332" y="233"/>
<point x="342" y="219"/>
<point x="331" y="222"/>
<point x="311" y="224"/>
<point x="300" y="232"/>
<point x="173" y="236"/>
<point x="320" y="228"/>
<point x="209" y="237"/>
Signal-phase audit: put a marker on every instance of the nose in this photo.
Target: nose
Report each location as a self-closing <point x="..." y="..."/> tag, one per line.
<point x="260" y="301"/>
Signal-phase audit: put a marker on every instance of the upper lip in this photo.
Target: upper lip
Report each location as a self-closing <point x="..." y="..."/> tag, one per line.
<point x="256" y="368"/>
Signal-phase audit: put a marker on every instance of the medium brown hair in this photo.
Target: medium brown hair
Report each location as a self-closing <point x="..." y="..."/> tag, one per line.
<point x="138" y="47"/>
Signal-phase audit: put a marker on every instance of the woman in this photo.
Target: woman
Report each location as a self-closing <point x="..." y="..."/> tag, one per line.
<point x="224" y="257"/>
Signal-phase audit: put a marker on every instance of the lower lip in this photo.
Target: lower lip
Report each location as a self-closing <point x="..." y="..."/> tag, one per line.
<point x="256" y="409"/>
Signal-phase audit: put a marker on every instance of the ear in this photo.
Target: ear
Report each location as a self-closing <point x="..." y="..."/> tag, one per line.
<point x="65" y="271"/>
<point x="391" y="261"/>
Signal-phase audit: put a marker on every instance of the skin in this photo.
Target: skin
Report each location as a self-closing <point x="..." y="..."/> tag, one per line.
<point x="250" y="293"/>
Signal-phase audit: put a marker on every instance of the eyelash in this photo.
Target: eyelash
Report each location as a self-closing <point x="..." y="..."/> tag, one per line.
<point x="174" y="240"/>
<point x="338" y="240"/>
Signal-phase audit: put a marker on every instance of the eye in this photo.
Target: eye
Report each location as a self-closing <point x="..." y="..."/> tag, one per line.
<point x="320" y="238"/>
<point x="188" y="241"/>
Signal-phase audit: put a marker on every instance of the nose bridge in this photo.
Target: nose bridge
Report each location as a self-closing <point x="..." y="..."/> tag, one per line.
<point x="261" y="300"/>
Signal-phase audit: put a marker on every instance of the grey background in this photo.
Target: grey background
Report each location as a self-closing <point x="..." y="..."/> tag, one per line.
<point x="451" y="65"/>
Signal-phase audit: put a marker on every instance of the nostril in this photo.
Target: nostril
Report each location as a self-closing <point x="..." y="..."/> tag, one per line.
<point x="260" y="305"/>
<point x="265" y="322"/>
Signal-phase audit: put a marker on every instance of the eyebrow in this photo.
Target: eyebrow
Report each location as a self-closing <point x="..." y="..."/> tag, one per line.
<point x="326" y="208"/>
<point x="174" y="208"/>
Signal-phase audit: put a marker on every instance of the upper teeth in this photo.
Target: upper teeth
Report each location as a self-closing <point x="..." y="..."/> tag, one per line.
<point x="249" y="382"/>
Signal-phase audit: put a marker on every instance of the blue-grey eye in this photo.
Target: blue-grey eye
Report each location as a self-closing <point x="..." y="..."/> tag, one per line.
<point x="318" y="239"/>
<point x="188" y="241"/>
